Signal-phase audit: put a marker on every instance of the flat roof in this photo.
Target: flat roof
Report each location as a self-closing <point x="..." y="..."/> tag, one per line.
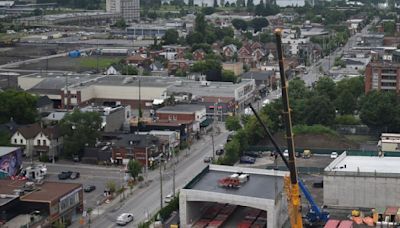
<point x="50" y="191"/>
<point x="364" y="164"/>
<point x="185" y="108"/>
<point x="7" y="149"/>
<point x="259" y="185"/>
<point x="7" y="187"/>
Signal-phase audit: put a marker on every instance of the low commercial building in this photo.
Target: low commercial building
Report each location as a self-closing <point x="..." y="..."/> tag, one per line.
<point x="146" y="31"/>
<point x="41" y="205"/>
<point x="389" y="142"/>
<point x="262" y="190"/>
<point x="362" y="181"/>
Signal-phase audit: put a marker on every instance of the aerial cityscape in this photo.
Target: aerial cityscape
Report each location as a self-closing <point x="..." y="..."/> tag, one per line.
<point x="199" y="113"/>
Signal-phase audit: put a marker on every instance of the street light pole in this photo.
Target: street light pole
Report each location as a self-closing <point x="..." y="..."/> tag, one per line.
<point x="161" y="195"/>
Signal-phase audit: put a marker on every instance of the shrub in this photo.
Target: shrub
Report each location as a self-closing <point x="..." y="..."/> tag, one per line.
<point x="314" y="129"/>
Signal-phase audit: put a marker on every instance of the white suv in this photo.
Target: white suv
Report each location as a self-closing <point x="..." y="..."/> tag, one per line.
<point x="334" y="154"/>
<point x="124" y="219"/>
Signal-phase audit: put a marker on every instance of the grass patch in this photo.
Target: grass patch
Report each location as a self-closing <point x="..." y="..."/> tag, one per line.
<point x="360" y="138"/>
<point x="104" y="62"/>
<point x="314" y="129"/>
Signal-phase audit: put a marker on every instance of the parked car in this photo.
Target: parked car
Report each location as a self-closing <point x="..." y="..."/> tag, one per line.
<point x="307" y="154"/>
<point x="124" y="219"/>
<point x="247" y="160"/>
<point x="76" y="158"/>
<point x="89" y="188"/>
<point x="208" y="159"/>
<point x="286" y="153"/>
<point x="219" y="152"/>
<point x="64" y="175"/>
<point x="75" y="175"/>
<point x="168" y="198"/>
<point x="253" y="154"/>
<point x="334" y="154"/>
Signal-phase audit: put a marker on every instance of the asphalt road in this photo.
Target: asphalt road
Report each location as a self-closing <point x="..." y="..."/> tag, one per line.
<point x="146" y="201"/>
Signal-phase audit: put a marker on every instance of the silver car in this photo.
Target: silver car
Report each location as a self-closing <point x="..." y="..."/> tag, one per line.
<point x="124" y="219"/>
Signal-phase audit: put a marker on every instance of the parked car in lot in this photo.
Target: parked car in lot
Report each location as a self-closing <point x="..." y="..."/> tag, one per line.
<point x="254" y="154"/>
<point x="286" y="153"/>
<point x="208" y="159"/>
<point x="89" y="188"/>
<point x="64" y="175"/>
<point x="219" y="152"/>
<point x="334" y="154"/>
<point x="124" y="219"/>
<point x="75" y="175"/>
<point x="247" y="160"/>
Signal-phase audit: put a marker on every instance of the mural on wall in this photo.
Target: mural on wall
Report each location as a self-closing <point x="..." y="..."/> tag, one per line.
<point x="11" y="162"/>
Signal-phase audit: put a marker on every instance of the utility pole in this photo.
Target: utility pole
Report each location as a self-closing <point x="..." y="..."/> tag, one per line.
<point x="213" y="129"/>
<point x="161" y="195"/>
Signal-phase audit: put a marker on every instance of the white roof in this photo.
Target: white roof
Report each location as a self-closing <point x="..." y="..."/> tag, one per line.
<point x="7" y="149"/>
<point x="365" y="164"/>
<point x="6" y="3"/>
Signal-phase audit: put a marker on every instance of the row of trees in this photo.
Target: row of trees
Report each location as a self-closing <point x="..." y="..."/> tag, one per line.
<point x="257" y="24"/>
<point x="19" y="106"/>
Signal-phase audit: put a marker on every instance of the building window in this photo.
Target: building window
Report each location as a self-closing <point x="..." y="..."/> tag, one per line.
<point x="22" y="141"/>
<point x="44" y="142"/>
<point x="169" y="117"/>
<point x="174" y="116"/>
<point x="38" y="142"/>
<point x="15" y="140"/>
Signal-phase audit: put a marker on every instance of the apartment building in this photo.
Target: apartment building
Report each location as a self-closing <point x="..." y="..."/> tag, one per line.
<point x="129" y="9"/>
<point x="384" y="76"/>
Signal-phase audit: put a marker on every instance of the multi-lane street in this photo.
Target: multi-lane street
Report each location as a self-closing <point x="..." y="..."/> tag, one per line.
<point x="145" y="201"/>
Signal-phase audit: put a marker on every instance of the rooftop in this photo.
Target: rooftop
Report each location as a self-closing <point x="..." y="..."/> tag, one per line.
<point x="364" y="164"/>
<point x="7" y="187"/>
<point x="183" y="108"/>
<point x="6" y="150"/>
<point x="271" y="182"/>
<point x="51" y="191"/>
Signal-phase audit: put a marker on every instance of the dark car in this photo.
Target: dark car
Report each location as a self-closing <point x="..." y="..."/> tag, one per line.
<point x="89" y="188"/>
<point x="247" y="160"/>
<point x="253" y="154"/>
<point x="208" y="159"/>
<point x="75" y="175"/>
<point x="219" y="152"/>
<point x="64" y="175"/>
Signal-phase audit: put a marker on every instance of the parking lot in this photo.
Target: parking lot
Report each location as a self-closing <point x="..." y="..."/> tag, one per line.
<point x="89" y="175"/>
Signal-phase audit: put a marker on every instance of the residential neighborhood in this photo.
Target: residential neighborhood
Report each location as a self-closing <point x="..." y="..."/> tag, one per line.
<point x="189" y="113"/>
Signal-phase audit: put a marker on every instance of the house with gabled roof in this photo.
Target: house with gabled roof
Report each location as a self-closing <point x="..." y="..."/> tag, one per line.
<point x="38" y="141"/>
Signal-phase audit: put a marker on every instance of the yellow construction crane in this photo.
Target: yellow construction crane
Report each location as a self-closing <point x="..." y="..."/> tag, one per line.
<point x="291" y="183"/>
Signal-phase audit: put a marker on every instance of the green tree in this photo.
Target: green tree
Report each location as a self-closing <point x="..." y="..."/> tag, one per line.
<point x="354" y="85"/>
<point x="228" y="76"/>
<point x="111" y="186"/>
<point x="319" y="110"/>
<point x="5" y="139"/>
<point x="80" y="129"/>
<point x="259" y="23"/>
<point x="297" y="89"/>
<point x="239" y="24"/>
<point x="381" y="111"/>
<point x="200" y="24"/>
<point x="191" y="3"/>
<point x="215" y="4"/>
<point x="37" y="12"/>
<point x="325" y="86"/>
<point x="232" y="123"/>
<point x="232" y="152"/>
<point x="19" y="106"/>
<point x="208" y="10"/>
<point x="389" y="27"/>
<point x="346" y="103"/>
<point x="134" y="168"/>
<point x="120" y="23"/>
<point x="171" y="36"/>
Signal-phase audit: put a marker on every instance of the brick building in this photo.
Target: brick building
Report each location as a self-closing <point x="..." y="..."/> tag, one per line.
<point x="382" y="76"/>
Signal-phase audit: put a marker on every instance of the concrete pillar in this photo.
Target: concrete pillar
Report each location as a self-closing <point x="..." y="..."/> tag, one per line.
<point x="271" y="221"/>
<point x="183" y="208"/>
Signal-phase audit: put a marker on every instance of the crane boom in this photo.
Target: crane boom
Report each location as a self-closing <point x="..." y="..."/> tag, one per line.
<point x="291" y="185"/>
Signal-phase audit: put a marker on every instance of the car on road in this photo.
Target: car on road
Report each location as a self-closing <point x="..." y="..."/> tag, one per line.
<point x="75" y="175"/>
<point x="247" y="160"/>
<point x="334" y="154"/>
<point x="208" y="159"/>
<point x="89" y="188"/>
<point x="168" y="198"/>
<point x="219" y="152"/>
<point x="124" y="219"/>
<point x="64" y="175"/>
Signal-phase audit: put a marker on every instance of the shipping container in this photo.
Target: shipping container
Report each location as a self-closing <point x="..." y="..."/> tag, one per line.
<point x="262" y="216"/>
<point x="252" y="213"/>
<point x="228" y="209"/>
<point x="215" y="224"/>
<point x="346" y="224"/>
<point x="332" y="223"/>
